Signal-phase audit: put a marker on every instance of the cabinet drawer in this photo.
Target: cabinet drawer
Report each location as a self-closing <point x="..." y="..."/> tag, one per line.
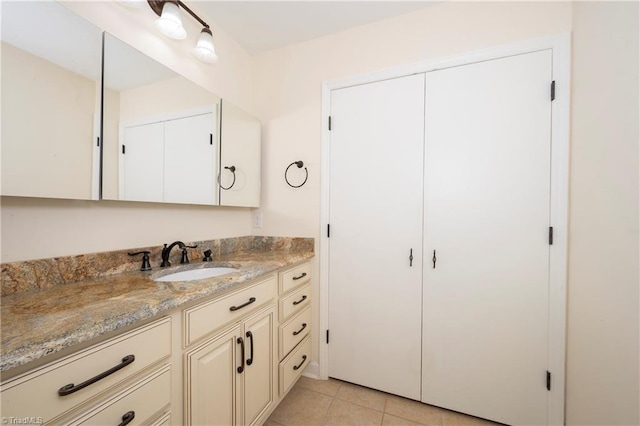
<point x="142" y="401"/>
<point x="147" y="344"/>
<point x="294" y="302"/>
<point x="208" y="317"/>
<point x="293" y="365"/>
<point x="294" y="330"/>
<point x="295" y="277"/>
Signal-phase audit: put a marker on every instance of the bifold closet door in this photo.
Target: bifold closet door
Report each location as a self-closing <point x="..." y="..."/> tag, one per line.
<point x="375" y="243"/>
<point x="190" y="160"/>
<point x="143" y="162"/>
<point x="486" y="210"/>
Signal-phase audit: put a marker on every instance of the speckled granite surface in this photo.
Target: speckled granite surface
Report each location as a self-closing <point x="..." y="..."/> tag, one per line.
<point x="49" y="319"/>
<point x="47" y="273"/>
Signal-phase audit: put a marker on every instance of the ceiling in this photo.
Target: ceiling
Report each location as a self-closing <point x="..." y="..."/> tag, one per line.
<point x="260" y="26"/>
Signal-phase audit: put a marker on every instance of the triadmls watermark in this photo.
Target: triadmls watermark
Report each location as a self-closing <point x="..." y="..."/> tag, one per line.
<point x="22" y="420"/>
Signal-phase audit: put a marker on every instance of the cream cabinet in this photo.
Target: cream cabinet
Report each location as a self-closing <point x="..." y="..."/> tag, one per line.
<point x="231" y="377"/>
<point x="294" y="313"/>
<point x="226" y="361"/>
<point x="98" y="383"/>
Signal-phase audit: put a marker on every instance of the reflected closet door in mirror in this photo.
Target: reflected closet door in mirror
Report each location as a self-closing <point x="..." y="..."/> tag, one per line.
<point x="160" y="131"/>
<point x="51" y="61"/>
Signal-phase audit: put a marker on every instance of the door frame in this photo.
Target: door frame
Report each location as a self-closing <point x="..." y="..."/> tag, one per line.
<point x="560" y="45"/>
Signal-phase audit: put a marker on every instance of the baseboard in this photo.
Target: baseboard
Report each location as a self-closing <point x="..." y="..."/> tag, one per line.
<point x="312" y="371"/>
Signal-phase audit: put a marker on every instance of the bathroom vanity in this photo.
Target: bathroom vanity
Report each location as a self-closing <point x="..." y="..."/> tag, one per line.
<point x="123" y="348"/>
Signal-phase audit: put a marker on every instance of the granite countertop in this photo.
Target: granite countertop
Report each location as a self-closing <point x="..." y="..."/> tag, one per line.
<point x="39" y="323"/>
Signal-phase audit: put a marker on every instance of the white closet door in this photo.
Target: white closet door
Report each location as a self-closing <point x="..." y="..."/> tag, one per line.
<point x="487" y="177"/>
<point x="190" y="160"/>
<point x="376" y="220"/>
<point x="143" y="163"/>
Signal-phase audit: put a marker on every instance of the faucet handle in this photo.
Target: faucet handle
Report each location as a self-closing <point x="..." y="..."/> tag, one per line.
<point x="146" y="265"/>
<point x="207" y="256"/>
<point x="185" y="257"/>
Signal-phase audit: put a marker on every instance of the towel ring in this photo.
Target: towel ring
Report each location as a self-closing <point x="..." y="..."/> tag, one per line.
<point x="306" y="172"/>
<point x="232" y="169"/>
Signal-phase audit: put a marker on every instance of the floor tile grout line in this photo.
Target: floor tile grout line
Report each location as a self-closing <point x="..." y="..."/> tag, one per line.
<point x="326" y="414"/>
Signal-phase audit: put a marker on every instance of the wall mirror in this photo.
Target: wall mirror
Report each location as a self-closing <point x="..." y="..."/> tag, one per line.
<point x="168" y="140"/>
<point x="240" y="157"/>
<point x="51" y="61"/>
<point x="160" y="131"/>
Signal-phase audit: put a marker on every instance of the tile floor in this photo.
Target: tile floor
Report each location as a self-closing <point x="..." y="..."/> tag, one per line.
<point x="332" y="402"/>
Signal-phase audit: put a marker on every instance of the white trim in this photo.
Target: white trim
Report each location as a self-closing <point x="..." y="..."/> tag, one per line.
<point x="561" y="48"/>
<point x="175" y="115"/>
<point x="559" y="216"/>
<point x="312" y="371"/>
<point x="323" y="347"/>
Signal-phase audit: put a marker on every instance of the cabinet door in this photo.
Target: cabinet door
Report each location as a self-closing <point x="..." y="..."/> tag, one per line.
<point x="259" y="368"/>
<point x="239" y="148"/>
<point x="376" y="225"/>
<point x="142" y="158"/>
<point x="211" y="381"/>
<point x="190" y="160"/>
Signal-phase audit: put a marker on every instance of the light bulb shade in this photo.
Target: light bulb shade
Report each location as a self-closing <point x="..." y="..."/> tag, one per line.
<point x="170" y="23"/>
<point x="204" y="49"/>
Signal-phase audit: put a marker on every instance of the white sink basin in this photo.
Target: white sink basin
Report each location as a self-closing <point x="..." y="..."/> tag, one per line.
<point x="196" y="274"/>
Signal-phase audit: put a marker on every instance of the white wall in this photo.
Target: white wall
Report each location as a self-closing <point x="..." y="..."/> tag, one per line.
<point x="603" y="322"/>
<point x="33" y="228"/>
<point x="602" y="358"/>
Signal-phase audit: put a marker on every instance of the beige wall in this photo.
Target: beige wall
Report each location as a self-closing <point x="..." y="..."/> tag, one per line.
<point x="33" y="228"/>
<point x="603" y="322"/>
<point x="110" y="153"/>
<point x="60" y="147"/>
<point x="165" y="97"/>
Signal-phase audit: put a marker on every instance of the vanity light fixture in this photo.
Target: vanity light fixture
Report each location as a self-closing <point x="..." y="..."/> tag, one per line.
<point x="169" y="23"/>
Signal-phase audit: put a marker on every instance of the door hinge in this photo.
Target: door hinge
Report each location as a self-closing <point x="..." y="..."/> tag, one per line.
<point x="328" y="230"/>
<point x="123" y="149"/>
<point x="210" y="138"/>
<point x="548" y="380"/>
<point x="327" y="337"/>
<point x="98" y="141"/>
<point x="329" y="122"/>
<point x="551" y="235"/>
<point x="553" y="90"/>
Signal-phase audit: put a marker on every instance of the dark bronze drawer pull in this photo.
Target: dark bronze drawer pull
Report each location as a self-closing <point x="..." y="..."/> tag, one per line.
<point x="304" y="274"/>
<point x="240" y="341"/>
<point x="127" y="418"/>
<point x="304" y="358"/>
<point x="235" y="308"/>
<point x="301" y="300"/>
<point x="304" y="325"/>
<point x="250" y="336"/>
<point x="71" y="388"/>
